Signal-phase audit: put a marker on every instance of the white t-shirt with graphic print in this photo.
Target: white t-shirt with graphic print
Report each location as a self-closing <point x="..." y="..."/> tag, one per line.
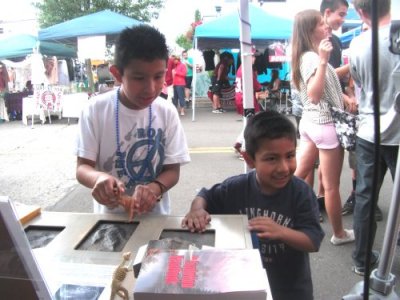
<point x="144" y="150"/>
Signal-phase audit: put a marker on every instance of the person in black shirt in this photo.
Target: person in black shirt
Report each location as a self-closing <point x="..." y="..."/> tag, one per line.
<point x="282" y="209"/>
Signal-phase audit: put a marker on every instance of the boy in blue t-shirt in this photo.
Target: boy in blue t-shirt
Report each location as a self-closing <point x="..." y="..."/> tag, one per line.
<point x="281" y="208"/>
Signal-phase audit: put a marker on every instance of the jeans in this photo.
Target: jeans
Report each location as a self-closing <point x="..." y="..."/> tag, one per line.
<point x="179" y="94"/>
<point x="365" y="173"/>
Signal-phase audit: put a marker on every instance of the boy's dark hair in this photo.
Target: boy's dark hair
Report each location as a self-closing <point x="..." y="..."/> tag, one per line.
<point x="332" y="5"/>
<point x="366" y="6"/>
<point x="139" y="42"/>
<point x="267" y="125"/>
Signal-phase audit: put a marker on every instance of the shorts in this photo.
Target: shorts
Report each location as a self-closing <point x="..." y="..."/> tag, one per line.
<point x="322" y="135"/>
<point x="188" y="81"/>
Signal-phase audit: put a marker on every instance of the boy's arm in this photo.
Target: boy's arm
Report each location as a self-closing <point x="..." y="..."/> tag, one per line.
<point x="197" y="218"/>
<point x="168" y="178"/>
<point x="106" y="189"/>
<point x="343" y="71"/>
<point x="147" y="195"/>
<point x="269" y="229"/>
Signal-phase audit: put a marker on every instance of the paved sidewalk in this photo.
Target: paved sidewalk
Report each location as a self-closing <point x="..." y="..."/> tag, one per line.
<point x="37" y="167"/>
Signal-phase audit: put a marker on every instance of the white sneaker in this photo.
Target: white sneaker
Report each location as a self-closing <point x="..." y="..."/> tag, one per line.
<point x="348" y="238"/>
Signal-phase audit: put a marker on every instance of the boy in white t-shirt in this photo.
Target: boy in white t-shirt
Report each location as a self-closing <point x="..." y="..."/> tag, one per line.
<point x="131" y="143"/>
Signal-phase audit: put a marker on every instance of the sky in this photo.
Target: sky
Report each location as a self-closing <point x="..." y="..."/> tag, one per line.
<point x="174" y="19"/>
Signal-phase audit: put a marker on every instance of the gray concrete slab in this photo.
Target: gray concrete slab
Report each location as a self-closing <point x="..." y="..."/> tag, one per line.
<point x="37" y="167"/>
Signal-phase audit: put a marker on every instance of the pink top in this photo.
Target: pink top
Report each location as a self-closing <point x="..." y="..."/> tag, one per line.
<point x="180" y="74"/>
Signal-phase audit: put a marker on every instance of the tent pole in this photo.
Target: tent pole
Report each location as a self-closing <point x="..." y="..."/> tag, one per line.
<point x="194" y="82"/>
<point x="89" y="74"/>
<point x="247" y="71"/>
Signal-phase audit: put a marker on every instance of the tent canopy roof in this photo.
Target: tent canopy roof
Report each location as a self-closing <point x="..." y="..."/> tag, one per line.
<point x="21" y="45"/>
<point x="224" y="31"/>
<point x="346" y="37"/>
<point x="104" y="22"/>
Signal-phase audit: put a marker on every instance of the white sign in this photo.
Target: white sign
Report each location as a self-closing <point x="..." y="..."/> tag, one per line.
<point x="93" y="47"/>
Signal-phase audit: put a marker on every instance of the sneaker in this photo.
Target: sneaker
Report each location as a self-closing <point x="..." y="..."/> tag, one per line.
<point x="348" y="238"/>
<point x="216" y="111"/>
<point x="221" y="110"/>
<point x="374" y="262"/>
<point x="348" y="207"/>
<point x="378" y="214"/>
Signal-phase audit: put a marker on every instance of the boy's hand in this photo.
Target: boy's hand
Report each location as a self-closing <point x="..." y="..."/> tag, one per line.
<point x="130" y="205"/>
<point x="144" y="199"/>
<point x="107" y="190"/>
<point x="196" y="220"/>
<point x="266" y="228"/>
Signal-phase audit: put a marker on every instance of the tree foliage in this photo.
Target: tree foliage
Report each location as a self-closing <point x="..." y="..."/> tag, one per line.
<point x="183" y="42"/>
<point x="186" y="40"/>
<point x="57" y="11"/>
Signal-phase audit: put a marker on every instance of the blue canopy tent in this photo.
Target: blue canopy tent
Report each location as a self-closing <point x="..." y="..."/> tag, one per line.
<point x="224" y="31"/>
<point x="19" y="46"/>
<point x="104" y="22"/>
<point x="346" y="37"/>
<point x="352" y="19"/>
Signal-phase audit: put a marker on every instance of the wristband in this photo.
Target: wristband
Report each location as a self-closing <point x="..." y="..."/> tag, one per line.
<point x="162" y="187"/>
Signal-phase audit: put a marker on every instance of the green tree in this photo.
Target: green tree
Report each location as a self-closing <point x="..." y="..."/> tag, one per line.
<point x="57" y="11"/>
<point x="186" y="40"/>
<point x="183" y="42"/>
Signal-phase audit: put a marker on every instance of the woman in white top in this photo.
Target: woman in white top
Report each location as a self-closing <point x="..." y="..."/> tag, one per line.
<point x="319" y="89"/>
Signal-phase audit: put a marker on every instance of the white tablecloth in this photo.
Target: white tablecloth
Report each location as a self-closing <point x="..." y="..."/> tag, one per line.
<point x="71" y="107"/>
<point x="72" y="104"/>
<point x="30" y="108"/>
<point x="3" y="110"/>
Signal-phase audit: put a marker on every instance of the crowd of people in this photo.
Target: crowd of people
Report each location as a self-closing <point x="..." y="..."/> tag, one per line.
<point x="132" y="158"/>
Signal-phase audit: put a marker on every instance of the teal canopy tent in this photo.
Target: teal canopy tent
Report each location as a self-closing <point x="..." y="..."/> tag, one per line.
<point x="224" y="31"/>
<point x="352" y="19"/>
<point x="346" y="37"/>
<point x="21" y="45"/>
<point x="104" y="22"/>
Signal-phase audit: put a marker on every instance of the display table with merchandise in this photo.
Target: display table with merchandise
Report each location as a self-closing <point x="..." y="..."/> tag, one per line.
<point x="13" y="103"/>
<point x="79" y="252"/>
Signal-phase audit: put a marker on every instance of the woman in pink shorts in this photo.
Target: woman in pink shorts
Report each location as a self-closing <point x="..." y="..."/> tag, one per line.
<point x="319" y="88"/>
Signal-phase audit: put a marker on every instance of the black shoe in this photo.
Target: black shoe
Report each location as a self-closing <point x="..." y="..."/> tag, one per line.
<point x="378" y="214"/>
<point x="321" y="203"/>
<point x="348" y="207"/>
<point x="374" y="262"/>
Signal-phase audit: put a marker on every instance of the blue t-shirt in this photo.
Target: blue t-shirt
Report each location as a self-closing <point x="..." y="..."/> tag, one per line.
<point x="295" y="206"/>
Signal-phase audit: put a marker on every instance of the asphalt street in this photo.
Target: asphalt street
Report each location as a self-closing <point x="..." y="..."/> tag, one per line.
<point x="37" y="166"/>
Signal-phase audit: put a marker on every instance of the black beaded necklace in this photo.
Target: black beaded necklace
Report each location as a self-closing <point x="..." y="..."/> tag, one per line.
<point x="120" y="162"/>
